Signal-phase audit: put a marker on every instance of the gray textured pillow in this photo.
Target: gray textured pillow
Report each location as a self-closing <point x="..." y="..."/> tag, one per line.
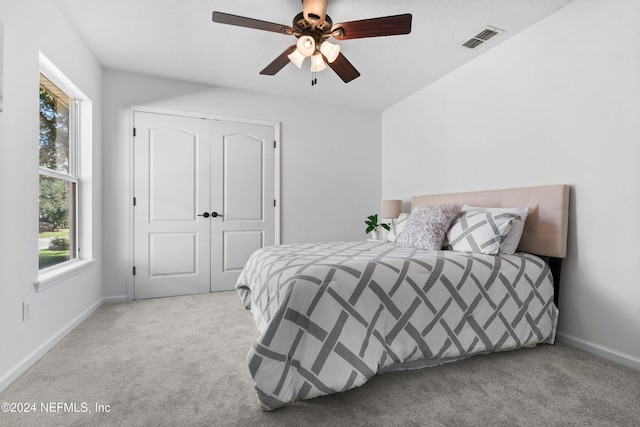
<point x="427" y="226"/>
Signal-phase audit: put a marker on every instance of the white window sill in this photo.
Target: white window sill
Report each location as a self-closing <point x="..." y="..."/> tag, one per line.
<point x="52" y="277"/>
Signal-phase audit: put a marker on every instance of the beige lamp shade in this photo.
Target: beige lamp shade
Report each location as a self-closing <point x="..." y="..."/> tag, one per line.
<point x="391" y="208"/>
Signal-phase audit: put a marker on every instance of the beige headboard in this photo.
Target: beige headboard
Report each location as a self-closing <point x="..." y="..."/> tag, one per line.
<point x="545" y="232"/>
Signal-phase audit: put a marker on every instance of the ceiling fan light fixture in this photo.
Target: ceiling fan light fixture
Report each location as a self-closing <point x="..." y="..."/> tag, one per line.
<point x="296" y="58"/>
<point x="330" y="51"/>
<point x="306" y="45"/>
<point x="312" y="27"/>
<point x="317" y="63"/>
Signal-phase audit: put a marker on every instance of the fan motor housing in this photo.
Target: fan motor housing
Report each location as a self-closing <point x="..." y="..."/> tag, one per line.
<point x="301" y="24"/>
<point x="318" y="32"/>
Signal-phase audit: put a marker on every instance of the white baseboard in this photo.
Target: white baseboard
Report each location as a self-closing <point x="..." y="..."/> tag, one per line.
<point x="115" y="299"/>
<point x="599" y="350"/>
<point x="37" y="354"/>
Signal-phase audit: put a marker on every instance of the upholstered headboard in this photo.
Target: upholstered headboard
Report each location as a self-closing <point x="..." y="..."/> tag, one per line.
<point x="545" y="232"/>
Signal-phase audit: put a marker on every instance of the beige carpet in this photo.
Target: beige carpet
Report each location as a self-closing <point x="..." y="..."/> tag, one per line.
<point x="181" y="362"/>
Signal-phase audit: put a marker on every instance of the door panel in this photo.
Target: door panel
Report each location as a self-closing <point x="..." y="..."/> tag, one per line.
<point x="243" y="156"/>
<point x="238" y="245"/>
<point x="172" y="254"/>
<point x="172" y="185"/>
<point x="173" y="174"/>
<point x="243" y="190"/>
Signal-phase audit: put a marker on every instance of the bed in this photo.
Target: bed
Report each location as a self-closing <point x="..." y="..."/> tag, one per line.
<point x="332" y="315"/>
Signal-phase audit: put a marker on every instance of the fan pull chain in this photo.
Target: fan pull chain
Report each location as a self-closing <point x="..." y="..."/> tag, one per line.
<point x="314" y="78"/>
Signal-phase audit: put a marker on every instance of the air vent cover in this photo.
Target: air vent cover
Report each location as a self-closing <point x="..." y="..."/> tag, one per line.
<point x="484" y="35"/>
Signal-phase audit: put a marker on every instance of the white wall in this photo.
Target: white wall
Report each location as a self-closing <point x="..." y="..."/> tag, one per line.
<point x="556" y="104"/>
<point x="330" y="161"/>
<point x="31" y="26"/>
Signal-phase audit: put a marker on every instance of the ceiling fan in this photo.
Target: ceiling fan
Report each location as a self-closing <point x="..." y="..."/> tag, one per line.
<point x="313" y="27"/>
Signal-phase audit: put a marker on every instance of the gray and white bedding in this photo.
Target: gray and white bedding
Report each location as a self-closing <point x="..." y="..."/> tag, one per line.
<point x="332" y="315"/>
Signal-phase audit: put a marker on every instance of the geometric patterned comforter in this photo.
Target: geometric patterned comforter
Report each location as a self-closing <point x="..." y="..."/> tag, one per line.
<point x="332" y="315"/>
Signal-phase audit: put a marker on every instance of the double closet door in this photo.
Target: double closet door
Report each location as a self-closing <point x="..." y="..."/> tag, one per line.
<point x="204" y="200"/>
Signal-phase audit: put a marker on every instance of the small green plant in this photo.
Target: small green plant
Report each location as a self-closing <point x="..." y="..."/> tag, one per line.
<point x="372" y="224"/>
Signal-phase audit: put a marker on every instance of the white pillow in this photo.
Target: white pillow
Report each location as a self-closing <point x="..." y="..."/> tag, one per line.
<point x="480" y="231"/>
<point x="427" y="226"/>
<point x="397" y="228"/>
<point x="511" y="242"/>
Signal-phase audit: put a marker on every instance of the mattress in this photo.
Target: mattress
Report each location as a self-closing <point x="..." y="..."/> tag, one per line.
<point x="332" y="315"/>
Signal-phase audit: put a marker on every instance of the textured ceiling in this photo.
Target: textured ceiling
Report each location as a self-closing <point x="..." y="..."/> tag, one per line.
<point x="177" y="39"/>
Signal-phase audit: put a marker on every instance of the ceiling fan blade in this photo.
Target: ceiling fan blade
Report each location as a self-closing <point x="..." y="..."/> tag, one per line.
<point x="343" y="68"/>
<point x="241" y="21"/>
<point x="374" y="27"/>
<point x="278" y="63"/>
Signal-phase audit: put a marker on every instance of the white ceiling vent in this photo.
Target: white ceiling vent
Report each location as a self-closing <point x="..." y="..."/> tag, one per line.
<point x="484" y="35"/>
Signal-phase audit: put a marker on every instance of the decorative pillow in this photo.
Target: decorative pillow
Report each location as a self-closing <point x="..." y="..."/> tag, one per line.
<point x="398" y="228"/>
<point x="480" y="232"/>
<point x="511" y="242"/>
<point x="427" y="226"/>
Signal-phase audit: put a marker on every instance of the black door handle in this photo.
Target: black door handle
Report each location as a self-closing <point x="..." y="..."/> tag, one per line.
<point x="206" y="214"/>
<point x="215" y="215"/>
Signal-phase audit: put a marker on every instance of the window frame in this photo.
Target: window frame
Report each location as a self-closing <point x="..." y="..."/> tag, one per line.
<point x="71" y="178"/>
<point x="80" y="129"/>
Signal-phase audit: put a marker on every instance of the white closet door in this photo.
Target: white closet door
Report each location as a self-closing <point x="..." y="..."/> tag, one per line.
<point x="172" y="247"/>
<point x="243" y="194"/>
<point x="205" y="200"/>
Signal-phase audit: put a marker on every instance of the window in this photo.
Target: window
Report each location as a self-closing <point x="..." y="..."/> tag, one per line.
<point x="59" y="177"/>
<point x="66" y="181"/>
